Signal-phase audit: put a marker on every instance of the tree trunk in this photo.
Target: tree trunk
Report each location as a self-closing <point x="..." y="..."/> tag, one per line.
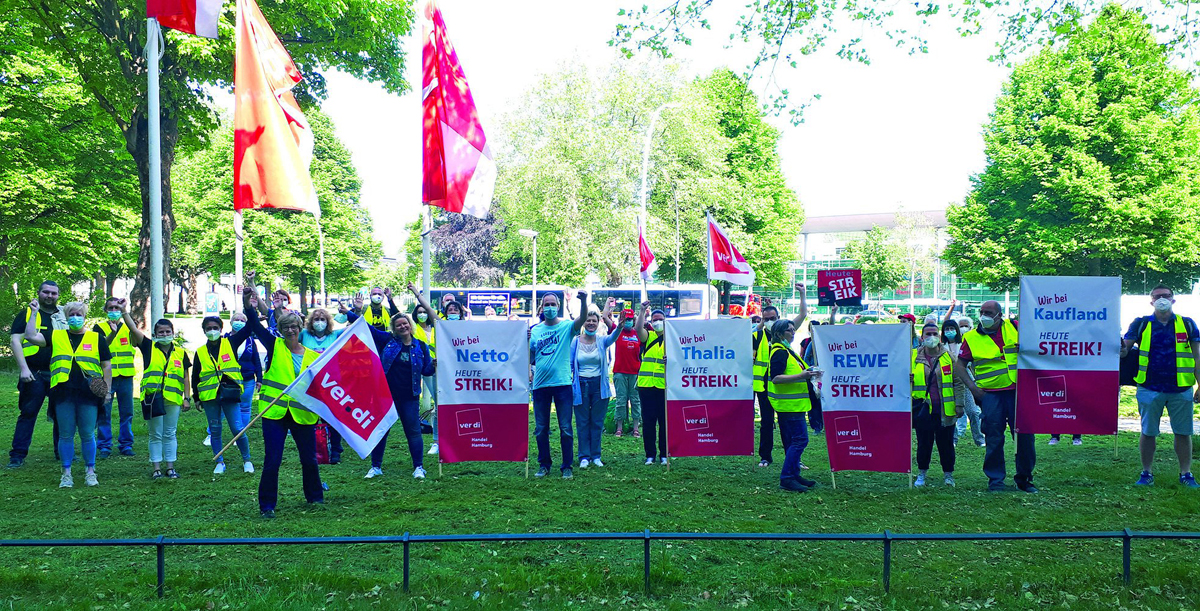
<point x="110" y="280"/>
<point x="304" y="293"/>
<point x="193" y="306"/>
<point x="180" y="309"/>
<point x="726" y="293"/>
<point x="136" y="144"/>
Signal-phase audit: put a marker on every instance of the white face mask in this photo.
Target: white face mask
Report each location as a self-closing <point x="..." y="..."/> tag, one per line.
<point x="985" y="322"/>
<point x="1162" y="304"/>
<point x="212" y="335"/>
<point x="932" y="341"/>
<point x="377" y="299"/>
<point x="319" y="326"/>
<point x="657" y="326"/>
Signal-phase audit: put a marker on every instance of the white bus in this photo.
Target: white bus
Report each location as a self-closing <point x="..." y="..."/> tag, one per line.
<point x="683" y="301"/>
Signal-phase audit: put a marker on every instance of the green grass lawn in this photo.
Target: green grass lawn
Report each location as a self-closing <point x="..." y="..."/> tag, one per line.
<point x="1083" y="488"/>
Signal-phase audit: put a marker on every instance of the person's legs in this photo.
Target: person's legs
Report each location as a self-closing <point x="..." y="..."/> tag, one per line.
<point x="1179" y="410"/>
<point x="562" y="408"/>
<point x="791" y="454"/>
<point x="232" y="412"/>
<point x="30" y="396"/>
<point x="660" y="399"/>
<point x="993" y="432"/>
<point x="247" y="404"/>
<point x="635" y="403"/>
<point x="621" y="395"/>
<point x="305" y="436"/>
<point x="212" y="412"/>
<point x="431" y="393"/>
<point x="597" y="413"/>
<point x="104" y="422"/>
<point x="86" y="411"/>
<point x="274" y="433"/>
<point x="541" y="424"/>
<point x="766" y="427"/>
<point x="67" y="422"/>
<point x="335" y="443"/>
<point x="1150" y="408"/>
<point x="945" y="445"/>
<point x="1026" y="457"/>
<point x="974" y="416"/>
<point x="581" y="419"/>
<point x="925" y="434"/>
<point x="123" y="389"/>
<point x="649" y="419"/>
<point x="154" y="432"/>
<point x="170" y="443"/>
<point x="377" y="452"/>
<point x="410" y="419"/>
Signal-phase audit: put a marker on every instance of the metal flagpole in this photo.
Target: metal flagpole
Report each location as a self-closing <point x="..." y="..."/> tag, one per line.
<point x="153" y="52"/>
<point x="238" y="238"/>
<point x="427" y="226"/>
<point x="321" y="256"/>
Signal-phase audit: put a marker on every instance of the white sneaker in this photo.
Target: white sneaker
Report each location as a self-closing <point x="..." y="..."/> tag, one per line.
<point x="920" y="480"/>
<point x="663" y="461"/>
<point x="649" y="461"/>
<point x="419" y="473"/>
<point x="948" y="479"/>
<point x="1076" y="442"/>
<point x="374" y="472"/>
<point x="597" y="463"/>
<point x="248" y="467"/>
<point x="583" y="463"/>
<point x="220" y="470"/>
<point x="1052" y="442"/>
<point x="433" y="450"/>
<point x="208" y="440"/>
<point x="91" y="480"/>
<point x="67" y="481"/>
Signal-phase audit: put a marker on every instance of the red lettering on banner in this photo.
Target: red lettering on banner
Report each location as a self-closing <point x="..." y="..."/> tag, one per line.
<point x="1069" y="348"/>
<point x="715" y="381"/>
<point x="477" y="385"/>
<point x="862" y="391"/>
<point x="355" y="396"/>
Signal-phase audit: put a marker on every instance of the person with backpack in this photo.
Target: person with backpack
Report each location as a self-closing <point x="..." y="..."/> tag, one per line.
<point x="1167" y="345"/>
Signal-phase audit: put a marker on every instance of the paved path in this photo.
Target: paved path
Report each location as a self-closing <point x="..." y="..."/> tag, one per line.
<point x="1164" y="426"/>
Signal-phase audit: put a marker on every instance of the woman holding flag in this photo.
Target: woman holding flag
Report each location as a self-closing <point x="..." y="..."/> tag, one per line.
<point x="319" y="334"/>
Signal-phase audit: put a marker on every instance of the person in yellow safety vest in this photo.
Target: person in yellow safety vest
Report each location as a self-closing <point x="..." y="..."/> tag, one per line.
<point x="166" y="391"/>
<point x="115" y="330"/>
<point x="1167" y="346"/>
<point x="934" y="410"/>
<point x="425" y="330"/>
<point x="992" y="348"/>
<point x="77" y="359"/>
<point x="287" y="357"/>
<point x="652" y="383"/>
<point x="761" y="350"/>
<point x="788" y="384"/>
<point x="217" y="386"/>
<point x="33" y="365"/>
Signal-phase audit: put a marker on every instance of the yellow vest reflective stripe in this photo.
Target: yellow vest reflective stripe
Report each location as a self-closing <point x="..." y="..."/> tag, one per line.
<point x="211" y="372"/>
<point x="161" y="368"/>
<point x="427" y="337"/>
<point x="1185" y="361"/>
<point x="276" y="379"/>
<point x="121" y="347"/>
<point x="762" y="361"/>
<point x="653" y="371"/>
<point x="793" y="396"/>
<point x="31" y="318"/>
<point x="87" y="356"/>
<point x="379" y="322"/>
<point x="994" y="369"/>
<point x="920" y="378"/>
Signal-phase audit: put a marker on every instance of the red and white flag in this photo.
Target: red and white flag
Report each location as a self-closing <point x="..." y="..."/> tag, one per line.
<point x="724" y="260"/>
<point x="197" y="17"/>
<point x="459" y="171"/>
<point x="272" y="141"/>
<point x="649" y="264"/>
<point x="346" y="388"/>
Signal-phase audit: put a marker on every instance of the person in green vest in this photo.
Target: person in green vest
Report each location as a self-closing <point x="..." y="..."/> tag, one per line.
<point x="217" y="386"/>
<point x="788" y="378"/>
<point x="166" y="392"/>
<point x="77" y="359"/>
<point x="652" y="383"/>
<point x="934" y="411"/>
<point x="762" y="349"/>
<point x="115" y="330"/>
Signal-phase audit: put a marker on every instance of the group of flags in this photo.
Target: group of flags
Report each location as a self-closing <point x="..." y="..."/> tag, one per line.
<point x="725" y="262"/>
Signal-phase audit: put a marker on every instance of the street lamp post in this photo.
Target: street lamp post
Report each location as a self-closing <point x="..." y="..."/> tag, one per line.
<point x="529" y="233"/>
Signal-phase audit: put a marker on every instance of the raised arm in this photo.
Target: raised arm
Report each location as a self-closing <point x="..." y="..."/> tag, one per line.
<point x="32" y="334"/>
<point x="950" y="312"/>
<point x="422" y="301"/>
<point x="833" y="312"/>
<point x="800" y="318"/>
<point x="392" y="309"/>
<point x="577" y="325"/>
<point x="136" y="335"/>
<point x="640" y="325"/>
<point x="606" y="314"/>
<point x="256" y="327"/>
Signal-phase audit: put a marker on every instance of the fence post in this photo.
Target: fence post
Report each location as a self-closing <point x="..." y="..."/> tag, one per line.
<point x="406" y="562"/>
<point x="646" y="558"/>
<point x="1125" y="554"/>
<point x="162" y="564"/>
<point x="887" y="560"/>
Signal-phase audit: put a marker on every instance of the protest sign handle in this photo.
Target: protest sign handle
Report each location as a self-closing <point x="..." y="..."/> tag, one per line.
<point x="246" y="428"/>
<point x="832" y="479"/>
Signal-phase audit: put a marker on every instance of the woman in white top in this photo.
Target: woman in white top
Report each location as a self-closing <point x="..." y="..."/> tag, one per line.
<point x="590" y="388"/>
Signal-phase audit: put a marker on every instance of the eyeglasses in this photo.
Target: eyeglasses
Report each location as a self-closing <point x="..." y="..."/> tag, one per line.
<point x="1161" y="296"/>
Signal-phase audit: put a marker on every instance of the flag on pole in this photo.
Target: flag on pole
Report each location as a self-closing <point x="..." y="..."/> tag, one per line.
<point x="724" y="260"/>
<point x="649" y="264"/>
<point x="458" y="170"/>
<point x="273" y="143"/>
<point x="346" y="388"/>
<point x="197" y="17"/>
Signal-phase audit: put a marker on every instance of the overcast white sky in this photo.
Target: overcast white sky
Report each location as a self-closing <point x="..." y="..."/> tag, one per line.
<point x="904" y="131"/>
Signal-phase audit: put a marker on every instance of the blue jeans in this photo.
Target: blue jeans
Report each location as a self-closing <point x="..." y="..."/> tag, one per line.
<point x="794" y="426"/>
<point x="561" y="397"/>
<point x="122" y="389"/>
<point x="999" y="411"/>
<point x="766" y="428"/>
<point x="30" y="396"/>
<point x="246" y="406"/>
<point x="274" y="434"/>
<point x="76" y="411"/>
<point x="410" y="419"/>
<point x="589" y="418"/>
<point x="213" y="410"/>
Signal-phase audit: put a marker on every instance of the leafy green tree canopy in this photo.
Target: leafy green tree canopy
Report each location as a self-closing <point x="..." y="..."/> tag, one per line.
<point x="883" y="260"/>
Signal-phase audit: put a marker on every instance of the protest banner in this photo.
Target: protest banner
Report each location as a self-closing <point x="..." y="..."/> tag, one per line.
<point x="483" y="391"/>
<point x="866" y="396"/>
<point x="840" y="286"/>
<point x="1068" y="365"/>
<point x="710" y="388"/>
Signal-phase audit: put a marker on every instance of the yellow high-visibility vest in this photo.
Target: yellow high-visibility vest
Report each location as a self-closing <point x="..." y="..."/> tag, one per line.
<point x="793" y="396"/>
<point x="762" y="358"/>
<point x="165" y="374"/>
<point x="994" y="369"/>
<point x="920" y="377"/>
<point x="211" y="371"/>
<point x="121" y="348"/>
<point x="276" y="379"/>
<point x="653" y="372"/>
<point x="429" y="337"/>
<point x="380" y="321"/>
<point x="1185" y="361"/>
<point x="62" y="356"/>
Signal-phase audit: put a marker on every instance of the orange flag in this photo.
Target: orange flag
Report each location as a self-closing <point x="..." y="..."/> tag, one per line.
<point x="272" y="142"/>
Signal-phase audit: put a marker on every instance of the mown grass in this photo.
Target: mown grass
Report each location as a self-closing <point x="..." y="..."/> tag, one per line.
<point x="1083" y="488"/>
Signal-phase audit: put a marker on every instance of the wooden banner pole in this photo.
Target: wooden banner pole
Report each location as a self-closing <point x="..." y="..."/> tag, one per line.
<point x="247" y="427"/>
<point x="833" y="479"/>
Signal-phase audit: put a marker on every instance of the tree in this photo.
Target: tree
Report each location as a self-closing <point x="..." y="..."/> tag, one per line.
<point x="1092" y="166"/>
<point x="883" y="260"/>
<point x="462" y="247"/>
<point x="102" y="40"/>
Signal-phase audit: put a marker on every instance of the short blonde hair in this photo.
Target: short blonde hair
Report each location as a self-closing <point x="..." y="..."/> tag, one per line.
<point x="75" y="307"/>
<point x="291" y="318"/>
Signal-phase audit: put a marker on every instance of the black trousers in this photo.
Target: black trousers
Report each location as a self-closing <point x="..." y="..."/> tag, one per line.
<point x="930" y="431"/>
<point x="654" y="415"/>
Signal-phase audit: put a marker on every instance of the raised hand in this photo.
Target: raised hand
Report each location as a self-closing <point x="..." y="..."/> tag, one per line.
<point x="387" y="292"/>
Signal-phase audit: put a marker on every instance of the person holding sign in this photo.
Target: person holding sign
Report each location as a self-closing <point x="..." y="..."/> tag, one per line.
<point x="762" y="349"/>
<point x="992" y="347"/>
<point x="652" y="384"/>
<point x="1167" y="346"/>
<point x="788" y="390"/>
<point x="935" y="412"/>
<point x="550" y="358"/>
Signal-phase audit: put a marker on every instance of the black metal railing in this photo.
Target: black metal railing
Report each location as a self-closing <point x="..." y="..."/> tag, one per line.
<point x="887" y="537"/>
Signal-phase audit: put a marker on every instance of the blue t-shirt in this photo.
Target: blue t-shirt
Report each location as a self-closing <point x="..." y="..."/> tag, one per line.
<point x="1160" y="372"/>
<point x="550" y="353"/>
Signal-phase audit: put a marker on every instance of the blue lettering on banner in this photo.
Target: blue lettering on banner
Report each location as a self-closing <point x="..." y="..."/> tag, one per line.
<point x="1070" y="314"/>
<point x="860" y="360"/>
<point x="481" y="356"/>
<point x="717" y="353"/>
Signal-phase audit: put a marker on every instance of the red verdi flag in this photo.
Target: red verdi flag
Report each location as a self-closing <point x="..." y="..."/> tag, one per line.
<point x="346" y="388"/>
<point x="646" y="255"/>
<point x="724" y="260"/>
<point x="197" y="17"/>
<point x="458" y="170"/>
<point x="272" y="143"/>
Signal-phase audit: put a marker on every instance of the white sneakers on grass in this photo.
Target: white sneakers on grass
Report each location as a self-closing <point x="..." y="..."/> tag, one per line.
<point x="220" y="469"/>
<point x="597" y="463"/>
<point x="248" y="467"/>
<point x="649" y="461"/>
<point x="419" y="473"/>
<point x="208" y="440"/>
<point x="373" y="472"/>
<point x="920" y="480"/>
<point x="91" y="480"/>
<point x="583" y="463"/>
<point x="433" y="449"/>
<point x="67" y="481"/>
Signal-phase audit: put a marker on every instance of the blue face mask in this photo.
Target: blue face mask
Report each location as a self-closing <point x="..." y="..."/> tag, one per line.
<point x="237" y="325"/>
<point x="75" y="322"/>
<point x="452" y="317"/>
<point x="629" y="324"/>
<point x="550" y="312"/>
<point x="114" y="315"/>
<point x="590" y="331"/>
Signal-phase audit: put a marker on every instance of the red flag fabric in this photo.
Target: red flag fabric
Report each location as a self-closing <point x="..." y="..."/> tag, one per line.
<point x="647" y="255"/>
<point x="724" y="260"/>
<point x="272" y="142"/>
<point x="197" y="17"/>
<point x="459" y="171"/>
